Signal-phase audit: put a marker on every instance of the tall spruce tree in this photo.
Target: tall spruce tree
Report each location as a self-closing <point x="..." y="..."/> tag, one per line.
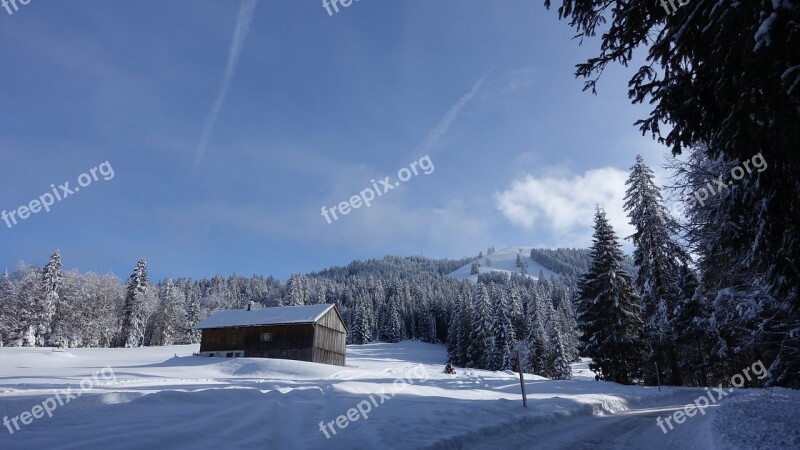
<point x="454" y="331"/>
<point x="51" y="279"/>
<point x="392" y="331"/>
<point x="465" y="330"/>
<point x="361" y="329"/>
<point x="481" y="339"/>
<point x="134" y="318"/>
<point x="658" y="258"/>
<point x="536" y="341"/>
<point x="502" y="353"/>
<point x="609" y="313"/>
<point x="560" y="367"/>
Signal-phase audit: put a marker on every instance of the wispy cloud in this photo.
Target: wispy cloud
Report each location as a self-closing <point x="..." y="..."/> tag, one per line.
<point x="246" y="10"/>
<point x="432" y="139"/>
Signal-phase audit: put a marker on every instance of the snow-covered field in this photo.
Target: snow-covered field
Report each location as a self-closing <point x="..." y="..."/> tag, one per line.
<point x="162" y="397"/>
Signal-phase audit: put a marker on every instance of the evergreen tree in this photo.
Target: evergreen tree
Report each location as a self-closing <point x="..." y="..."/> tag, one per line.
<point x="503" y="351"/>
<point x="481" y="339"/>
<point x="392" y="328"/>
<point x="465" y="330"/>
<point x="609" y="311"/>
<point x="537" y="347"/>
<point x="475" y="269"/>
<point x="134" y="315"/>
<point x="536" y="341"/>
<point x="693" y="340"/>
<point x="560" y="367"/>
<point x="518" y="318"/>
<point x="658" y="259"/>
<point x="454" y="331"/>
<point x="568" y="326"/>
<point x="361" y="320"/>
<point x="51" y="279"/>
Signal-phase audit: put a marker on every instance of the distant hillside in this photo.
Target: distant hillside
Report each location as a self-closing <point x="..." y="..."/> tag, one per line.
<point x="566" y="261"/>
<point x="392" y="266"/>
<point x="571" y="263"/>
<point x="504" y="261"/>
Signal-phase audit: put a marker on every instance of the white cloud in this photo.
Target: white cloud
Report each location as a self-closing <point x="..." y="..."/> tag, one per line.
<point x="246" y="11"/>
<point x="563" y="206"/>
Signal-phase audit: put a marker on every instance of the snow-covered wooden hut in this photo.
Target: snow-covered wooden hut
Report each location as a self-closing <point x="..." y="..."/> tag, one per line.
<point x="314" y="333"/>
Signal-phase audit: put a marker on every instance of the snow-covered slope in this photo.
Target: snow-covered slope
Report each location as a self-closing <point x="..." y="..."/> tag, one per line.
<point x="504" y="261"/>
<point x="162" y="397"/>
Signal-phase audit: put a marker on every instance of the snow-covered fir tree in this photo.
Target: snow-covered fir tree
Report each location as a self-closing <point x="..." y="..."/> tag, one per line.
<point x="465" y="328"/>
<point x="609" y="313"/>
<point x="481" y="338"/>
<point x="502" y="354"/>
<point x="134" y="315"/>
<point x="475" y="269"/>
<point x="392" y="331"/>
<point x="454" y="331"/>
<point x="560" y="368"/>
<point x="51" y="280"/>
<point x="360" y="328"/>
<point x="659" y="259"/>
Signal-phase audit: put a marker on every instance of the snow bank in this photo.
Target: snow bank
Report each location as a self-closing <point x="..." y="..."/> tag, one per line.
<point x="758" y="419"/>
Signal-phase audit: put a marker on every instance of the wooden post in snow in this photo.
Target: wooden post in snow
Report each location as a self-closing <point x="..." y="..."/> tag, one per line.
<point x="521" y="380"/>
<point x="658" y="378"/>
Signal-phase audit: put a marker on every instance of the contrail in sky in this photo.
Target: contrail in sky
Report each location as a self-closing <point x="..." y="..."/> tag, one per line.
<point x="246" y="11"/>
<point x="432" y="139"/>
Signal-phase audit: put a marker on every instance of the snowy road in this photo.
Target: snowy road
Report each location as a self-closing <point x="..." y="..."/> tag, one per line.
<point x="633" y="429"/>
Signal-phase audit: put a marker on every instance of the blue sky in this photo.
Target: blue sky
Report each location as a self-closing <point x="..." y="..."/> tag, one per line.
<point x="229" y="125"/>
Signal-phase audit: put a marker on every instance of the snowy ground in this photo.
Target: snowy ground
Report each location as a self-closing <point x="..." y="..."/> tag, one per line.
<point x="163" y="397"/>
